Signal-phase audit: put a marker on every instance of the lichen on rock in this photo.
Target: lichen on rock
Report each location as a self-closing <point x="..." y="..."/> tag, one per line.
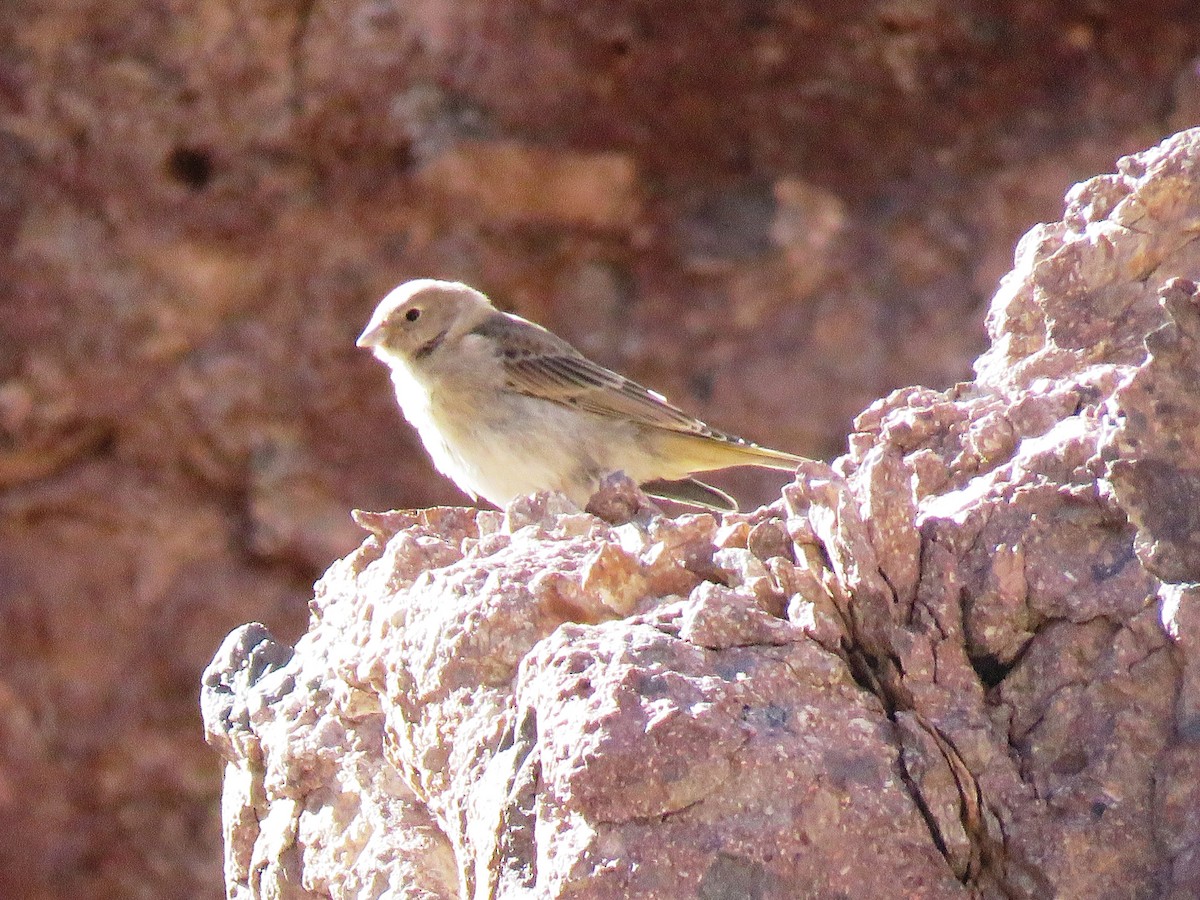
<point x="961" y="661"/>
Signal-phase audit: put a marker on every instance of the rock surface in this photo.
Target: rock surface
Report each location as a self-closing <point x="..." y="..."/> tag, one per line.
<point x="962" y="661"/>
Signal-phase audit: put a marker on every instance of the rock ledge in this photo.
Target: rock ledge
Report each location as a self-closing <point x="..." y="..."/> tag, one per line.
<point x="963" y="661"/>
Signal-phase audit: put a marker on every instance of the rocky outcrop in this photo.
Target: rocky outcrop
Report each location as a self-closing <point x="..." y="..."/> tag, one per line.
<point x="962" y="661"/>
<point x="773" y="212"/>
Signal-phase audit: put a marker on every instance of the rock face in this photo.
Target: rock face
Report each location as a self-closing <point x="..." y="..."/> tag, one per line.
<point x="963" y="661"/>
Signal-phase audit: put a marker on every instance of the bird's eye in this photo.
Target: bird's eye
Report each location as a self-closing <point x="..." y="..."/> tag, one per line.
<point x="412" y="315"/>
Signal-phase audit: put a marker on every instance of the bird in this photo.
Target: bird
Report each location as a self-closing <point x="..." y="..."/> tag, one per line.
<point x="507" y="408"/>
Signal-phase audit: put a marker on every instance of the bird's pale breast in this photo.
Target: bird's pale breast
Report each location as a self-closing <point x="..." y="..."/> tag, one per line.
<point x="499" y="445"/>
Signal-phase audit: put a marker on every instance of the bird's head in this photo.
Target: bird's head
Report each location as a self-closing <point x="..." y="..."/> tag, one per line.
<point x="419" y="316"/>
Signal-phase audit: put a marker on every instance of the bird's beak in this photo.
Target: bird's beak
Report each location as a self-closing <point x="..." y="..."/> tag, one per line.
<point x="371" y="335"/>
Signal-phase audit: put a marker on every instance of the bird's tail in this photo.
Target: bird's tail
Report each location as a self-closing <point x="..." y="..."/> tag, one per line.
<point x="703" y="453"/>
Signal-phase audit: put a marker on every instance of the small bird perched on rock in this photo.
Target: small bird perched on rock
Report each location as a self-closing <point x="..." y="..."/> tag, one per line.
<point x="506" y="408"/>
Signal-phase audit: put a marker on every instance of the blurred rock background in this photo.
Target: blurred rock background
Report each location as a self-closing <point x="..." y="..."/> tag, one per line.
<point x="774" y="212"/>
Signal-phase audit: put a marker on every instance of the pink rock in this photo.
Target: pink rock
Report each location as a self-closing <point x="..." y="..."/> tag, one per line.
<point x="960" y="661"/>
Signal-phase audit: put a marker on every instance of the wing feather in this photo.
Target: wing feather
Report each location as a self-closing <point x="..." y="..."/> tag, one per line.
<point x="539" y="364"/>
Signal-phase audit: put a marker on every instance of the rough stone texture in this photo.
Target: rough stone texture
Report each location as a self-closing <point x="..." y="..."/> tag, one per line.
<point x="775" y="212"/>
<point x="962" y="661"/>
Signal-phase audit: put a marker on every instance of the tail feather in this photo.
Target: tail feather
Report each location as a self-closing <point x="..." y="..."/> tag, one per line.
<point x="703" y="453"/>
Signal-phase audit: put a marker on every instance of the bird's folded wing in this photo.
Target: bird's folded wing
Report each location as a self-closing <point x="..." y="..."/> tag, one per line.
<point x="578" y="382"/>
<point x="539" y="364"/>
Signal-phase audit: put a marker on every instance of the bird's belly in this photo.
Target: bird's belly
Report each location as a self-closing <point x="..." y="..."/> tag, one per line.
<point x="511" y="446"/>
<point x="499" y="445"/>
